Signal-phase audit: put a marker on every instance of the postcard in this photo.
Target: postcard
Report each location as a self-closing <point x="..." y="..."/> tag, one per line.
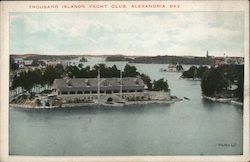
<point x="124" y="81"/>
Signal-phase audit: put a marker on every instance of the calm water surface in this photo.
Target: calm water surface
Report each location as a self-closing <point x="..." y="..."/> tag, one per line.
<point x="189" y="127"/>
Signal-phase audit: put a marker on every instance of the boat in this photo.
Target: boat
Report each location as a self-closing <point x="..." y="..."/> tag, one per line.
<point x="172" y="68"/>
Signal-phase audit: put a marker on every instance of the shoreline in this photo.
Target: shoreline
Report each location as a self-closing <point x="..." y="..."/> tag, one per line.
<point x="191" y="79"/>
<point x="95" y="104"/>
<point x="223" y="100"/>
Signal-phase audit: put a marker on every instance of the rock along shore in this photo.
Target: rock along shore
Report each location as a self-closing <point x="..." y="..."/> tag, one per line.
<point x="96" y="104"/>
<point x="223" y="100"/>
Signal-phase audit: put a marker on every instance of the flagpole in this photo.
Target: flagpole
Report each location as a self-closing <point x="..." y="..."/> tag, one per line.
<point x="98" y="84"/>
<point x="121" y="83"/>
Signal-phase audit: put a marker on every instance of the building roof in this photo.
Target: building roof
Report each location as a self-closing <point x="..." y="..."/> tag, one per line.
<point x="81" y="84"/>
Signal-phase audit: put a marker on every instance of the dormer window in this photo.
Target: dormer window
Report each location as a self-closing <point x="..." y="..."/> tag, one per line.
<point x="137" y="82"/>
<point x="120" y="81"/>
<point x="68" y="82"/>
<point x="105" y="83"/>
<point x="87" y="82"/>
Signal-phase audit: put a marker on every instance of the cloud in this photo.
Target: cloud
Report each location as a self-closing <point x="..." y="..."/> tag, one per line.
<point x="147" y="33"/>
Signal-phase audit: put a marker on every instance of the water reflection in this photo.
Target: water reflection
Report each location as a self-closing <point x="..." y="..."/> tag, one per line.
<point x="209" y="105"/>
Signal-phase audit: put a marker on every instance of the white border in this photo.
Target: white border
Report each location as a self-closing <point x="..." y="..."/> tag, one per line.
<point x="14" y="6"/>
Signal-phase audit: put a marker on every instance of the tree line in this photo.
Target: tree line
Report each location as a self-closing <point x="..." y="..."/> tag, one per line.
<point x="194" y="72"/>
<point x="173" y="60"/>
<point x="30" y="78"/>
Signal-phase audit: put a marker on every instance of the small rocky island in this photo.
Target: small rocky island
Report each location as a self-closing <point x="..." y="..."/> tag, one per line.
<point x="223" y="83"/>
<point x="72" y="86"/>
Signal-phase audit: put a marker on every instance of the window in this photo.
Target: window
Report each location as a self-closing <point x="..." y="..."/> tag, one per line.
<point x="79" y="92"/>
<point x="108" y="91"/>
<point x="72" y="92"/>
<point x="94" y="92"/>
<point x="64" y="92"/>
<point x="86" y="92"/>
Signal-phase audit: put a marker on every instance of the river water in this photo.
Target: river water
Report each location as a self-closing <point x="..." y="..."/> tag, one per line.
<point x="188" y="127"/>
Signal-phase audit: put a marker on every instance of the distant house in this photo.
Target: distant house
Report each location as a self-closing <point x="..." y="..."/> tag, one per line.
<point x="18" y="60"/>
<point x="27" y="62"/>
<point x="52" y="63"/>
<point x="218" y="61"/>
<point x="21" y="62"/>
<point x="234" y="60"/>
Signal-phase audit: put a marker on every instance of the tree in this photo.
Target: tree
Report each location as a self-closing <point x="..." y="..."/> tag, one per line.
<point x="213" y="82"/>
<point x="13" y="65"/>
<point x="240" y="90"/>
<point x="83" y="59"/>
<point x="114" y="72"/>
<point x="146" y="79"/>
<point x="17" y="82"/>
<point x="80" y="65"/>
<point x="160" y="85"/>
<point x="35" y="62"/>
<point x="26" y="80"/>
<point x="130" y="71"/>
<point x="73" y="71"/>
<point x="59" y="69"/>
<point x="36" y="76"/>
<point x="107" y="72"/>
<point x="51" y="73"/>
<point x="190" y="73"/>
<point x="201" y="70"/>
<point x="101" y="67"/>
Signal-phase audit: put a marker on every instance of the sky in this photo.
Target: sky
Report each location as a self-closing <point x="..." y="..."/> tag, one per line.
<point x="128" y="33"/>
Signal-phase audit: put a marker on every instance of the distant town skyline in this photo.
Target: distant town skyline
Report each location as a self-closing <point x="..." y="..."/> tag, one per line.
<point x="128" y="33"/>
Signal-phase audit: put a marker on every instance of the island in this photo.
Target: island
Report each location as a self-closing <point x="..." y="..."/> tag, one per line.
<point x="168" y="59"/>
<point x="221" y="83"/>
<point x="194" y="73"/>
<point x="72" y="86"/>
<point x="224" y="83"/>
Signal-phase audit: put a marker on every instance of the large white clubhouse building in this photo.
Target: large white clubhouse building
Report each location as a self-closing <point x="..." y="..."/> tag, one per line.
<point x="104" y="89"/>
